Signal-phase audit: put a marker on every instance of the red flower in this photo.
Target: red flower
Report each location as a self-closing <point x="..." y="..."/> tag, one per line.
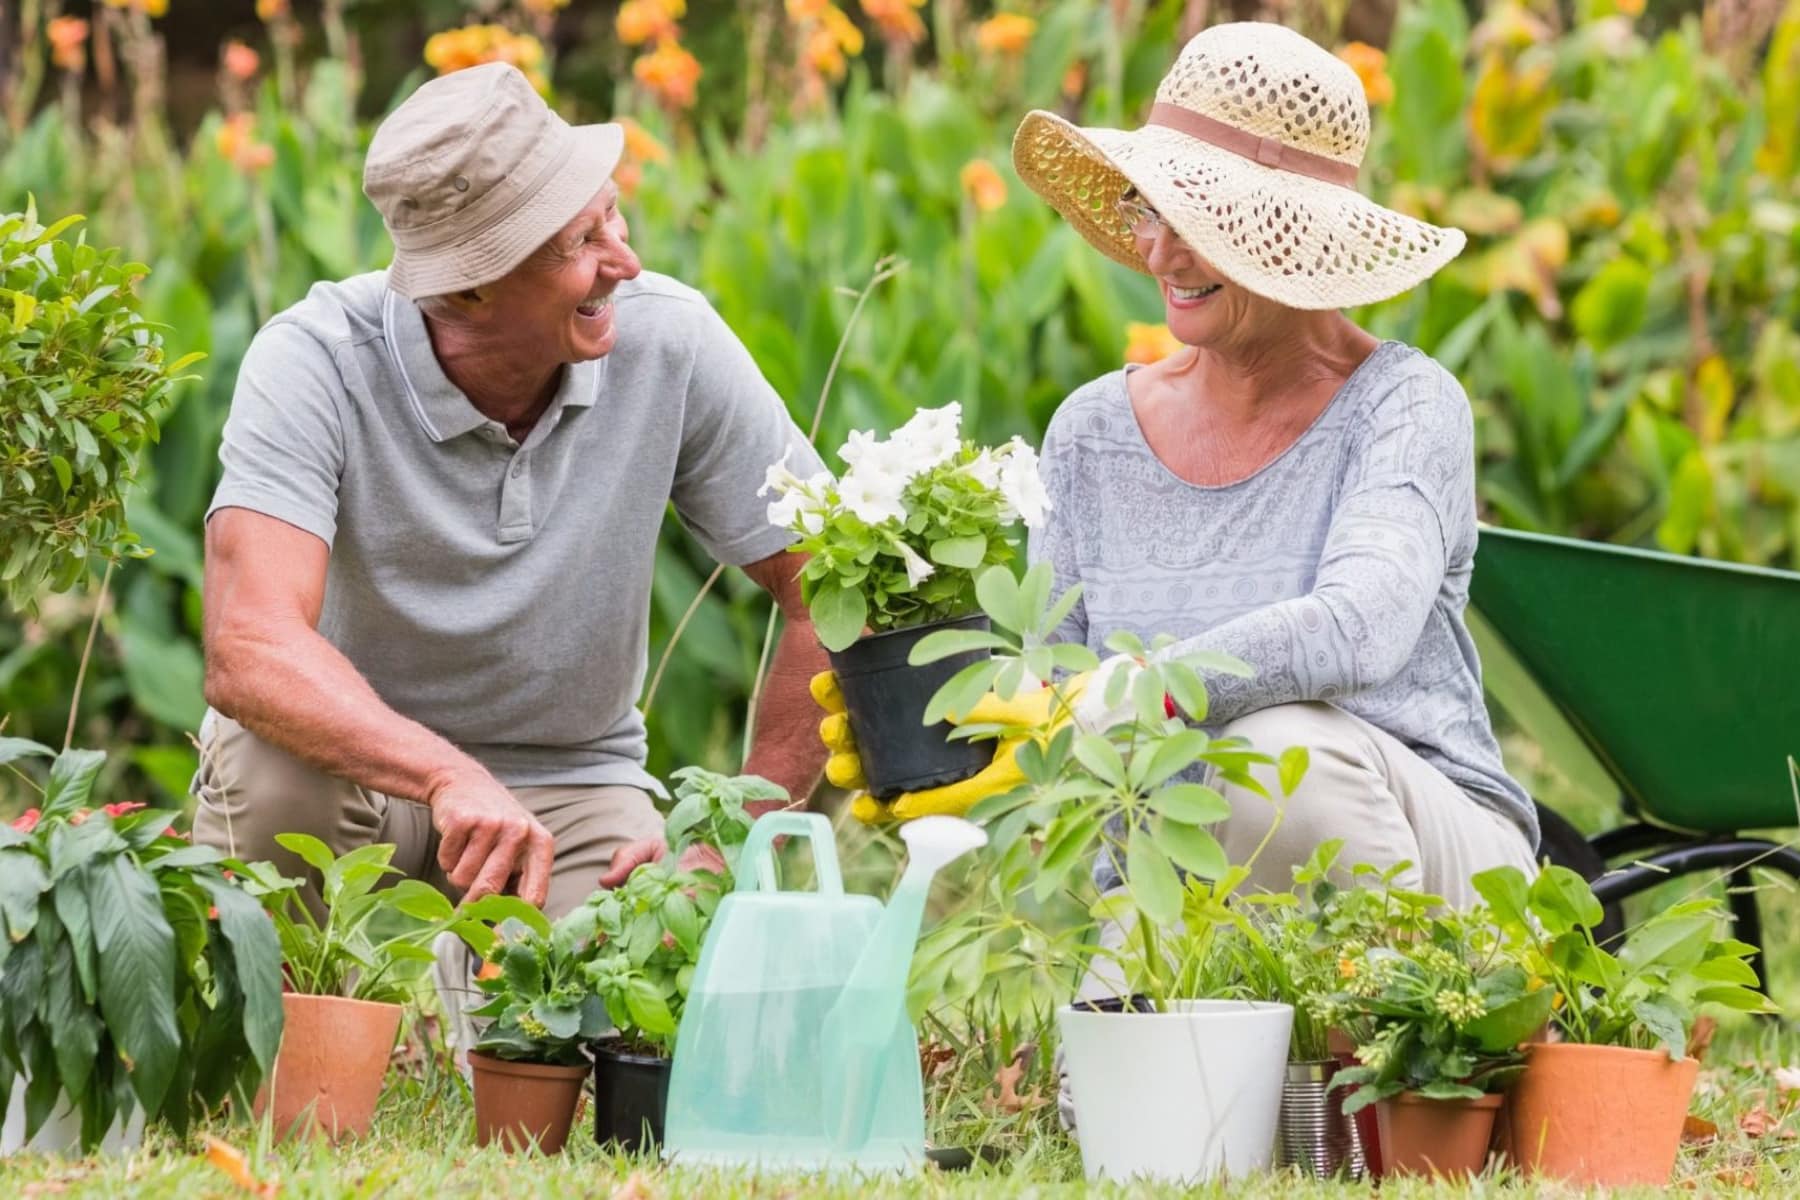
<point x="1168" y="705"/>
<point x="212" y="913"/>
<point x="123" y="807"/>
<point x="26" y="821"/>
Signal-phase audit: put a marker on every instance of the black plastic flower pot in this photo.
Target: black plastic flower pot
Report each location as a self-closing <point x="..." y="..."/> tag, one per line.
<point x="886" y="698"/>
<point x="631" y="1093"/>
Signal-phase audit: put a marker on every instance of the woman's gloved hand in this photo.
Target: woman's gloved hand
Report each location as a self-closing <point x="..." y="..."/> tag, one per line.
<point x="1032" y="708"/>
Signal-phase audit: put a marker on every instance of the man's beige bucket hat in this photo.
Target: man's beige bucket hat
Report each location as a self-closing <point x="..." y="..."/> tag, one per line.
<point x="473" y="172"/>
<point x="1250" y="154"/>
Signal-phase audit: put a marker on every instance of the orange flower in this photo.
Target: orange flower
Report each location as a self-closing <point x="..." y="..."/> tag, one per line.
<point x="1005" y="33"/>
<point x="898" y="20"/>
<point x="236" y="140"/>
<point x="455" y="49"/>
<point x="1074" y="80"/>
<point x="269" y="10"/>
<point x="489" y="970"/>
<point x="827" y="35"/>
<point x="982" y="184"/>
<point x="1631" y="8"/>
<point x="641" y="144"/>
<point x="241" y="62"/>
<point x="823" y="54"/>
<point x="801" y="11"/>
<point x="1145" y="344"/>
<point x="641" y="21"/>
<point x="543" y="7"/>
<point x="68" y="40"/>
<point x="669" y="72"/>
<point x="849" y="37"/>
<point x="1370" y="65"/>
<point x="150" y="8"/>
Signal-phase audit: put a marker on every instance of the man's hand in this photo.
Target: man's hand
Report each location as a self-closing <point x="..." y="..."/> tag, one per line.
<point x="844" y="768"/>
<point x="486" y="837"/>
<point x="632" y="855"/>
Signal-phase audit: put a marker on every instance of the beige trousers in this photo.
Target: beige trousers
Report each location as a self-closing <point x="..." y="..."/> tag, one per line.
<point x="248" y="790"/>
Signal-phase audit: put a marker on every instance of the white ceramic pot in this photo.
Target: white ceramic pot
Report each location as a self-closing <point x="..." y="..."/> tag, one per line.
<point x="61" y="1134"/>
<point x="1179" y="1096"/>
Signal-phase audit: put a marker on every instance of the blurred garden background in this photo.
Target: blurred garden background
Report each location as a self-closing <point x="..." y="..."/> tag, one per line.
<point x="1626" y="318"/>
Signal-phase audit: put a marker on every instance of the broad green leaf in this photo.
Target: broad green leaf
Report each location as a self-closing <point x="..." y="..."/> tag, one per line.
<point x="1507" y="892"/>
<point x="963" y="552"/>
<point x="1150" y="879"/>
<point x="1191" y="803"/>
<point x="1662" y="1017"/>
<point x="14" y="748"/>
<point x="1101" y="757"/>
<point x="1677" y="943"/>
<point x="1562" y="900"/>
<point x="71" y="784"/>
<point x="1172" y="755"/>
<point x="998" y="593"/>
<point x="1512" y="1023"/>
<point x="136" y="948"/>
<point x="961" y="692"/>
<point x="946" y="642"/>
<point x="309" y="849"/>
<point x="1293" y="763"/>
<point x="838" y="615"/>
<point x="22" y="881"/>
<point x="256" y="959"/>
<point x="649" y="1011"/>
<point x="1192" y="849"/>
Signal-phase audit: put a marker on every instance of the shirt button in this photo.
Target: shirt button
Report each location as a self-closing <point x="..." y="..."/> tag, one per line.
<point x="518" y="469"/>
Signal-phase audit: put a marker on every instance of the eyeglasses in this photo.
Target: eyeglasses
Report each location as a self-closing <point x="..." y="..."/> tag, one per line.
<point x="1139" y="217"/>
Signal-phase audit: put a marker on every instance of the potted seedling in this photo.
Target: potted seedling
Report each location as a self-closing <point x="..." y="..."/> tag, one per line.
<point x="894" y="548"/>
<point x="352" y="962"/>
<point x="135" y="977"/>
<point x="713" y="810"/>
<point x="1171" y="1080"/>
<point x="1605" y="1104"/>
<point x="1439" y="1020"/>
<point x="646" y="942"/>
<point x="529" y="1062"/>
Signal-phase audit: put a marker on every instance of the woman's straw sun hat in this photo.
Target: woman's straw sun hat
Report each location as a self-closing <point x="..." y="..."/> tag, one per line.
<point x="1250" y="155"/>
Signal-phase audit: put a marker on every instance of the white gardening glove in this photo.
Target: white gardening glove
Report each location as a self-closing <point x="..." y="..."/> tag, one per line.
<point x="1092" y="713"/>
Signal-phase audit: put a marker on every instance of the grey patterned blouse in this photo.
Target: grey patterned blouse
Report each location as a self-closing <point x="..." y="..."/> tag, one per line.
<point x="1339" y="571"/>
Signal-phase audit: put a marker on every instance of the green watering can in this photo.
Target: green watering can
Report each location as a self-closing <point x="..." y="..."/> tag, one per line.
<point x="795" y="1049"/>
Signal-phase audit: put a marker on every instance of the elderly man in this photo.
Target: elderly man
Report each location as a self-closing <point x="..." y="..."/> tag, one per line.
<point x="428" y="563"/>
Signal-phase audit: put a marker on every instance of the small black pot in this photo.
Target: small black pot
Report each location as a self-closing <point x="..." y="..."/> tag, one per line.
<point x="886" y="700"/>
<point x="1136" y="1002"/>
<point x="631" y="1093"/>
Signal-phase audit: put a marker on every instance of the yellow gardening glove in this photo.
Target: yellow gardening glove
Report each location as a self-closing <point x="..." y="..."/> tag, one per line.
<point x="844" y="767"/>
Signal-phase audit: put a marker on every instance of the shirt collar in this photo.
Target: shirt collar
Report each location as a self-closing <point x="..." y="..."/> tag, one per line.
<point x="440" y="405"/>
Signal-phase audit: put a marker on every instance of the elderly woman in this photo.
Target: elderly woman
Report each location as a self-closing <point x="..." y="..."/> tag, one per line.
<point x="1286" y="488"/>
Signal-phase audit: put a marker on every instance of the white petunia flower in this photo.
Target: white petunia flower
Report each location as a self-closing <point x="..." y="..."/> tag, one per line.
<point x="858" y="447"/>
<point x="873" y="495"/>
<point x="985" y="470"/>
<point x="917" y="569"/>
<point x="785" y="511"/>
<point x="1021" y="485"/>
<point x="931" y="437"/>
<point x="779" y="479"/>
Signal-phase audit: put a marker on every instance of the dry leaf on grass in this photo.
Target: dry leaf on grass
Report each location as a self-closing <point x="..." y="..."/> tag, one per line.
<point x="1787" y="1079"/>
<point x="1010" y="1100"/>
<point x="1757" y="1121"/>
<point x="935" y="1058"/>
<point x="1700" y="1040"/>
<point x="231" y="1163"/>
<point x="1698" y="1130"/>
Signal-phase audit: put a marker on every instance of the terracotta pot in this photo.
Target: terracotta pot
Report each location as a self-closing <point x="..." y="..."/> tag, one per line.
<point x="1442" y="1139"/>
<point x="328" y="1074"/>
<point x="521" y="1104"/>
<point x="1600" y="1114"/>
<point x="1368" y="1129"/>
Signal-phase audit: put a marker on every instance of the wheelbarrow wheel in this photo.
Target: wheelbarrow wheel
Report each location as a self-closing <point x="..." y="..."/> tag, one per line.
<point x="1563" y="845"/>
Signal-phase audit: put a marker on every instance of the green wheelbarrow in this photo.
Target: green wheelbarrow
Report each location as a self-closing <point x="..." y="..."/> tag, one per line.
<point x="1674" y="680"/>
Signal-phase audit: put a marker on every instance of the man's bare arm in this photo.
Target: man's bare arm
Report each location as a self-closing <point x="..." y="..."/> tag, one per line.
<point x="268" y="668"/>
<point x="787" y="748"/>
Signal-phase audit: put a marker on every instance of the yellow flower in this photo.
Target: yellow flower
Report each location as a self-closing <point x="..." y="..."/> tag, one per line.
<point x="898" y="20"/>
<point x="1370" y="65"/>
<point x="1146" y="344"/>
<point x="849" y="37"/>
<point x="669" y="72"/>
<point x="68" y="40"/>
<point x="642" y="21"/>
<point x="802" y="11"/>
<point x="269" y="10"/>
<point x="982" y="184"/>
<point x="1631" y="8"/>
<point x="1346" y="969"/>
<point x="1005" y="33"/>
<point x="641" y="144"/>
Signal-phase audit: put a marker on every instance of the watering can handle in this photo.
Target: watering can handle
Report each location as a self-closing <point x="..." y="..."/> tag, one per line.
<point x="756" y="861"/>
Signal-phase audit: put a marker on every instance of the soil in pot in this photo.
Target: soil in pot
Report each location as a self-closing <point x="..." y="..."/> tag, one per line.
<point x="334" y="1055"/>
<point x="1600" y="1115"/>
<point x="885" y="698"/>
<point x="1443" y="1139"/>
<point x="521" y="1104"/>
<point x="631" y="1094"/>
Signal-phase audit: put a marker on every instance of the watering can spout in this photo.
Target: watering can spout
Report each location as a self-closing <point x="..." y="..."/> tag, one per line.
<point x="862" y="1021"/>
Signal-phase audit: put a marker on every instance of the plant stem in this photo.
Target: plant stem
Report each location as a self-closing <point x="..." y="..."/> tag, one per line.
<point x="87" y="652"/>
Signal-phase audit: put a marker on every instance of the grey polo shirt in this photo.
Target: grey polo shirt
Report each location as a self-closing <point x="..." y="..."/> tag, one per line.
<point x="496" y="592"/>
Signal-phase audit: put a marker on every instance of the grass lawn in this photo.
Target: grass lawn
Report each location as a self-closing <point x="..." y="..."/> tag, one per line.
<point x="423" y="1143"/>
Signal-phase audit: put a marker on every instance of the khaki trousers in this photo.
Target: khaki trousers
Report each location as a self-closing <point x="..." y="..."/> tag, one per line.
<point x="248" y="790"/>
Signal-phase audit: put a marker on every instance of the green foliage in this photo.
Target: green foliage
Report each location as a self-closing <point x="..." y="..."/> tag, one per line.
<point x="375" y="933"/>
<point x="1442" y="1013"/>
<point x="133" y="971"/>
<point x="82" y="376"/>
<point x="1643" y="996"/>
<point x="710" y="810"/>
<point x="540" y="1006"/>
<point x="646" y="946"/>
